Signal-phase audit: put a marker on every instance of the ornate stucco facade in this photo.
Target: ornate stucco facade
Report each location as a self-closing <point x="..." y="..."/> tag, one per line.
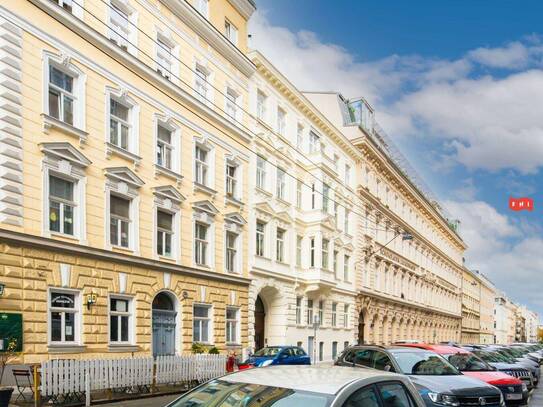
<point x="505" y="319"/>
<point x="488" y="293"/>
<point x="301" y="222"/>
<point x="471" y="307"/>
<point x="124" y="171"/>
<point x="410" y="289"/>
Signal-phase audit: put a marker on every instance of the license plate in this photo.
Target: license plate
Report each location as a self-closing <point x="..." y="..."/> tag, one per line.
<point x="513" y="396"/>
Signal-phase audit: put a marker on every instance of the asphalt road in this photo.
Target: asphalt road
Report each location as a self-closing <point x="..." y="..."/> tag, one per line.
<point x="537" y="397"/>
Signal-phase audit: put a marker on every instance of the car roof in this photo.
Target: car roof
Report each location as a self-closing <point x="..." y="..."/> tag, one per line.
<point x="441" y="349"/>
<point x="385" y="348"/>
<point x="321" y="378"/>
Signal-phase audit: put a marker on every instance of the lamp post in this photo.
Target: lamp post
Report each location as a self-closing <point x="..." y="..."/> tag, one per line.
<point x="316" y="324"/>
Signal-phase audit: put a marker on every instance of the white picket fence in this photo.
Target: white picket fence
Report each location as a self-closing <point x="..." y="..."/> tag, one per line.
<point x="61" y="377"/>
<point x="174" y="369"/>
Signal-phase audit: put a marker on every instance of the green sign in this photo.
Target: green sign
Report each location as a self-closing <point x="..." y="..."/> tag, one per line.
<point x="11" y="327"/>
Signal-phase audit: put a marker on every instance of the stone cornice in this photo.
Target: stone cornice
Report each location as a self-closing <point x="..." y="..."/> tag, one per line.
<point x="38" y="242"/>
<point x="186" y="13"/>
<point x="125" y="58"/>
<point x="245" y="7"/>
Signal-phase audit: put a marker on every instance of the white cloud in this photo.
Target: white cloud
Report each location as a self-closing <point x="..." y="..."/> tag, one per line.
<point x="513" y="56"/>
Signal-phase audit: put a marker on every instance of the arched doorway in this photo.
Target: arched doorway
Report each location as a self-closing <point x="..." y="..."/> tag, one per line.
<point x="164" y="324"/>
<point x="260" y="323"/>
<point x="361" y="328"/>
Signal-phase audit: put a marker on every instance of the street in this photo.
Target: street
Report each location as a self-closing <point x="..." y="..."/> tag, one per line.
<point x="537" y="398"/>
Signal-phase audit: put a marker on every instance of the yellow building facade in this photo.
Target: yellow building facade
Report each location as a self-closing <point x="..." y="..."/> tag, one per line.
<point x="471" y="307"/>
<point x="124" y="175"/>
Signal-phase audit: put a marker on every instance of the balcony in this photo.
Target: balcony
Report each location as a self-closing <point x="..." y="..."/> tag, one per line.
<point x="317" y="279"/>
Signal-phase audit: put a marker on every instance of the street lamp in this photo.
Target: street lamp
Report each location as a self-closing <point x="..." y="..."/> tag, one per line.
<point x="405" y="236"/>
<point x="316" y="324"/>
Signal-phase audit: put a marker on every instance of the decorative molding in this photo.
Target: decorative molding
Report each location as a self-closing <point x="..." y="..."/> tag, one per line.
<point x="235" y="218"/>
<point x="245" y="7"/>
<point x="65" y="274"/>
<point x="168" y="192"/>
<point x="122" y="283"/>
<point x="124" y="174"/>
<point x="11" y="132"/>
<point x="64" y="151"/>
<point x="205" y="206"/>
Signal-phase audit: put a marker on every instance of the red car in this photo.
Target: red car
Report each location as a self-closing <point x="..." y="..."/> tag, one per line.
<point x="514" y="391"/>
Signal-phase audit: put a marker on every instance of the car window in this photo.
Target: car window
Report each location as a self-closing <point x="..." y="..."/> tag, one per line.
<point x="287" y="352"/>
<point x="468" y="363"/>
<point x="364" y="397"/>
<point x="363" y="357"/>
<point x="423" y="363"/>
<point x="381" y="361"/>
<point x="267" y="352"/>
<point x="299" y="352"/>
<point x="395" y="395"/>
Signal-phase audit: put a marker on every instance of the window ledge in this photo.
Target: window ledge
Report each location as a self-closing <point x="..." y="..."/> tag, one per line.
<point x="234" y="345"/>
<point x="65" y="348"/>
<point x="263" y="191"/>
<point x="123" y="348"/>
<point x="49" y="122"/>
<point x="64" y="236"/>
<point x="202" y="266"/>
<point x="233" y="201"/>
<point x="203" y="188"/>
<point x="122" y="249"/>
<point x="160" y="170"/>
<point x="112" y="149"/>
<point x="284" y="202"/>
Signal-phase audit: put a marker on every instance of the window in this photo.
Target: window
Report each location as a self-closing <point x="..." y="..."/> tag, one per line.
<point x="299" y="194"/>
<point x="314" y="142"/>
<point x="334" y="314"/>
<point x="347" y="174"/>
<point x="65" y="4"/>
<point x="64" y="316"/>
<point x="325" y="246"/>
<point x="119" y="220"/>
<point x="61" y="95"/>
<point x="61" y="205"/>
<point x="298" y="310"/>
<point x="201" y="165"/>
<point x="164" y="147"/>
<point x="121" y="29"/>
<point x="313" y="196"/>
<point x="201" y="324"/>
<point x="281" y="185"/>
<point x="232" y="325"/>
<point x="325" y="197"/>
<point x="261" y="172"/>
<point x="395" y="394"/>
<point x="299" y="241"/>
<point x="281" y="121"/>
<point x="364" y="397"/>
<point x="119" y="124"/>
<point x="334" y="350"/>
<point x="231" y="252"/>
<point x="346" y="316"/>
<point x="309" y="312"/>
<point x="260" y="228"/>
<point x="345" y="345"/>
<point x="231" y="32"/>
<point x="321" y="312"/>
<point x="280" y="245"/>
<point x="312" y="252"/>
<point x="335" y="262"/>
<point x="165" y="232"/>
<point x="120" y="320"/>
<point x="200" y="243"/>
<point x="300" y="137"/>
<point x="164" y="56"/>
<point x="321" y="351"/>
<point x="203" y="7"/>
<point x="231" y="180"/>
<point x="232" y="103"/>
<point x="346" y="260"/>
<point x="261" y="105"/>
<point x="202" y="79"/>
<point x="346" y="222"/>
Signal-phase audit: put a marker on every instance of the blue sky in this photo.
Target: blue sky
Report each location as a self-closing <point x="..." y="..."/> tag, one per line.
<point x="458" y="85"/>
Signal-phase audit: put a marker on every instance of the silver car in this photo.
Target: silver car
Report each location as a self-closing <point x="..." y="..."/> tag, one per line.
<point x="304" y="386"/>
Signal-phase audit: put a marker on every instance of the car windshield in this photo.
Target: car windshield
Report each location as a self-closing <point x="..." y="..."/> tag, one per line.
<point x="506" y="356"/>
<point x="423" y="363"/>
<point x="222" y="393"/>
<point x="468" y="363"/>
<point x="267" y="351"/>
<point x="490" y="357"/>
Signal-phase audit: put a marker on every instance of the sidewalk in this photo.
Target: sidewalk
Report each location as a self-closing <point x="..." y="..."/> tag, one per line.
<point x="145" y="402"/>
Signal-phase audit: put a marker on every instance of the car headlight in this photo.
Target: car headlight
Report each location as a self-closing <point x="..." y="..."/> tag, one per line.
<point x="266" y="363"/>
<point x="444" y="399"/>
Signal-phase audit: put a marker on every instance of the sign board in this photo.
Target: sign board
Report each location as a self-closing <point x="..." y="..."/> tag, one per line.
<point x="11" y="327"/>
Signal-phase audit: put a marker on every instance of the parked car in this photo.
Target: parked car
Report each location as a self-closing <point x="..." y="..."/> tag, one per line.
<point x="276" y="355"/>
<point x="438" y="382"/>
<point x="504" y="351"/>
<point x="304" y="386"/>
<point x="514" y="391"/>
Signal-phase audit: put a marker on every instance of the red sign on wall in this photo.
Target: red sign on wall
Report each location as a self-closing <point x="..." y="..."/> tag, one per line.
<point x="521" y="204"/>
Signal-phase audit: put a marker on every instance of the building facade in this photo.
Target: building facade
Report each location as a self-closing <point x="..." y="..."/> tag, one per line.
<point x="531" y="323"/>
<point x="505" y="319"/>
<point x="488" y="294"/>
<point x="408" y="257"/>
<point x="301" y="222"/>
<point x="124" y="175"/>
<point x="471" y="307"/>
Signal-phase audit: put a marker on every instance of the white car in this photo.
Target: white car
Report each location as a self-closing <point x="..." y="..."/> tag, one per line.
<point x="304" y="386"/>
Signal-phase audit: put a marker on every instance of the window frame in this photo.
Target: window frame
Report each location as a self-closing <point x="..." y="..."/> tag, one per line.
<point x="120" y="96"/>
<point x="346" y="267"/>
<point x="129" y="313"/>
<point x="280" y="242"/>
<point x="201" y="245"/>
<point x="130" y="40"/>
<point x="202" y="7"/>
<point x="203" y="81"/>
<point x="169" y="46"/>
<point x="299" y="300"/>
<point x="281" y="121"/>
<point x="236" y="249"/>
<point x="120" y="219"/>
<point x="237" y="326"/>
<point x="233" y="187"/>
<point x="77" y="310"/>
<point x="62" y="203"/>
<point x="175" y="144"/>
<point x="171" y="233"/>
<point x="261" y="102"/>
<point x="299" y="250"/>
<point x="261" y="172"/>
<point x="232" y="100"/>
<point x="309" y="312"/>
<point x="281" y="184"/>
<point x="201" y="167"/>
<point x="346" y="316"/>
<point x="209" y="320"/>
<point x="334" y="314"/>
<point x="325" y="253"/>
<point x="231" y="32"/>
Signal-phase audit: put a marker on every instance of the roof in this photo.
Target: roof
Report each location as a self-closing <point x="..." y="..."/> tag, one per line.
<point x="321" y="378"/>
<point x="441" y="349"/>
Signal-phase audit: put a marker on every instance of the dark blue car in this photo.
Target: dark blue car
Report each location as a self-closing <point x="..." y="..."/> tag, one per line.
<point x="277" y="355"/>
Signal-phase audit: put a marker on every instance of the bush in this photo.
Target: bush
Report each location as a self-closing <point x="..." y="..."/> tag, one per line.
<point x="213" y="351"/>
<point x="198" y="348"/>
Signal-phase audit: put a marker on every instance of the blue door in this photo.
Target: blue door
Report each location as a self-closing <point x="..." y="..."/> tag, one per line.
<point x="163" y="332"/>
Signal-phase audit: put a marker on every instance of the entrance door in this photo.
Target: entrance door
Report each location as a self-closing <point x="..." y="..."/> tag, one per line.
<point x="361" y="328"/>
<point x="310" y="348"/>
<point x="260" y="323"/>
<point x="164" y="317"/>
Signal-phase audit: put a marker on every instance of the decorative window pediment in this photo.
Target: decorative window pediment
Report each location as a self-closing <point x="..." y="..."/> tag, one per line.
<point x="169" y="192"/>
<point x="265" y="207"/>
<point x="66" y="152"/>
<point x="205" y="206"/>
<point x="124" y="174"/>
<point x="284" y="217"/>
<point x="235" y="218"/>
<point x="349" y="247"/>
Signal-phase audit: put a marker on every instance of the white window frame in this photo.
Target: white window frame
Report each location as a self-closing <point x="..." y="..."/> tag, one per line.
<point x="209" y="325"/>
<point x="347" y="175"/>
<point x="234" y="185"/>
<point x="202" y="216"/>
<point x="260" y="239"/>
<point x="280" y="243"/>
<point x="299" y="247"/>
<point x="129" y="39"/>
<point x="346" y="311"/>
<point x="335" y="262"/>
<point x="299" y="302"/>
<point x="334" y="314"/>
<point x="63" y="204"/>
<point x="175" y="145"/>
<point x="77" y="317"/>
<point x="309" y="312"/>
<point x="128" y="221"/>
<point x="261" y="172"/>
<point x="232" y="100"/>
<point x="281" y="121"/>
<point x="314" y="142"/>
<point x="229" y="330"/>
<point x="76" y="6"/>
<point x="346" y="214"/>
<point x="300" y="137"/>
<point x="312" y="254"/>
<point x="346" y="267"/>
<point x="320" y="312"/>
<point x="201" y="177"/>
<point x="129" y="313"/>
<point x="299" y="196"/>
<point x="203" y="80"/>
<point x="201" y="245"/>
<point x="202" y="6"/>
<point x="231" y="32"/>
<point x="261" y="102"/>
<point x="281" y="184"/>
<point x="122" y="97"/>
<point x="236" y="264"/>
<point x="65" y="65"/>
<point x="166" y="54"/>
<point x="168" y="204"/>
<point x="325" y="253"/>
<point x="164" y="232"/>
<point x="325" y="197"/>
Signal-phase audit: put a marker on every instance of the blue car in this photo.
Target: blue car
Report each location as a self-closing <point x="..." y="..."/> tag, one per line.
<point x="277" y="355"/>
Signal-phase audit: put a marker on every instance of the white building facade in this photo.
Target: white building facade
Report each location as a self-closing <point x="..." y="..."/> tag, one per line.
<point x="504" y="319"/>
<point x="301" y="223"/>
<point x="532" y="322"/>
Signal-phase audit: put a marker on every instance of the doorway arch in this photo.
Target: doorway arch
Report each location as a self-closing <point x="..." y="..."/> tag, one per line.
<point x="164" y="323"/>
<point x="260" y="323"/>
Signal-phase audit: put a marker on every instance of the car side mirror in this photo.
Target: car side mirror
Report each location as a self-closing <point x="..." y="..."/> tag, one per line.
<point x="387" y="368"/>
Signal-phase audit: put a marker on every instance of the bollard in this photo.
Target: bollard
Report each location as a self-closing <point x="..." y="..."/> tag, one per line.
<point x="87" y="390"/>
<point x="37" y="384"/>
